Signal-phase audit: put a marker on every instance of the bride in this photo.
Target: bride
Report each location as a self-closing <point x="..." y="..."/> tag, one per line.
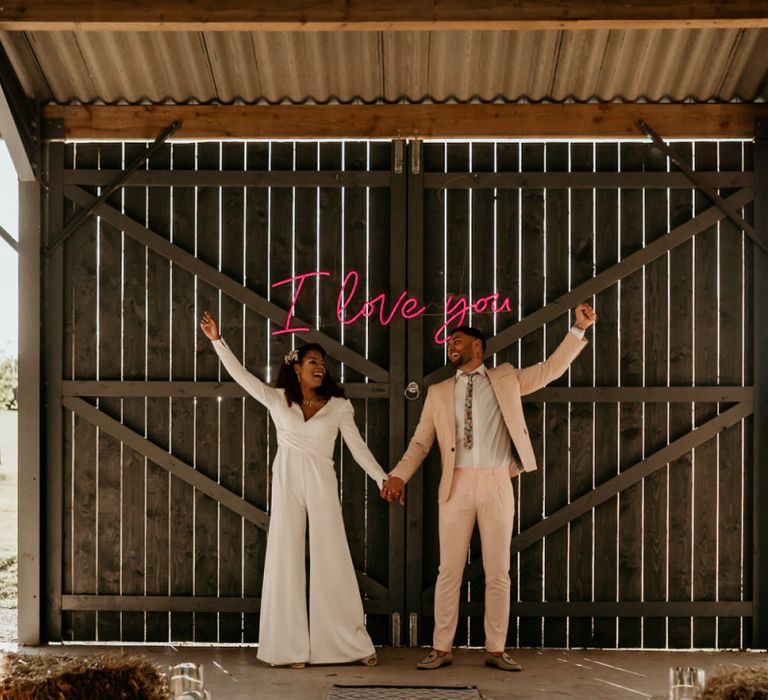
<point x="308" y="409"/>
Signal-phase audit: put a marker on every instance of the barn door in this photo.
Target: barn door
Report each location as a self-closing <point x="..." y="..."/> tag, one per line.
<point x="158" y="467"/>
<point x="636" y="529"/>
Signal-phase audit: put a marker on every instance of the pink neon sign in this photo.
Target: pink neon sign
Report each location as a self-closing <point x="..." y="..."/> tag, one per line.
<point x="350" y="309"/>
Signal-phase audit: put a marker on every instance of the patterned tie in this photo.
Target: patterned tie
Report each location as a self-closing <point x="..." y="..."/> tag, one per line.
<point x="468" y="412"/>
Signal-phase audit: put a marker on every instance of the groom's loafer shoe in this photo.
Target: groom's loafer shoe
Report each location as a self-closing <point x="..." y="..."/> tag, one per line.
<point x="433" y="660"/>
<point x="505" y="662"/>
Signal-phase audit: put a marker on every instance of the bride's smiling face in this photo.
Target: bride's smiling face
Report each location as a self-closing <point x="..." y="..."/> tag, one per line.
<point x="311" y="369"/>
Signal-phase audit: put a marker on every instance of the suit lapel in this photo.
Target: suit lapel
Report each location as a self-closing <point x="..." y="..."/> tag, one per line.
<point x="495" y="379"/>
<point x="446" y="398"/>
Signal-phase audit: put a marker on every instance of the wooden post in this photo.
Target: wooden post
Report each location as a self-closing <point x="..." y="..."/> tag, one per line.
<point x="29" y="414"/>
<point x="760" y="490"/>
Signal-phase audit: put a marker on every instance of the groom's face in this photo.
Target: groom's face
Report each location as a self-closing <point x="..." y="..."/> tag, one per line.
<point x="461" y="349"/>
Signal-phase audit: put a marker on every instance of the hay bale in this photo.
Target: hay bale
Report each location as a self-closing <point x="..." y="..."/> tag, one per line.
<point x="103" y="676"/>
<point x="741" y="683"/>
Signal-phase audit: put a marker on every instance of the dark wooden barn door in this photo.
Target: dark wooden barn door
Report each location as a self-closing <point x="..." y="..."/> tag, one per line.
<point x="158" y="466"/>
<point x="636" y="529"/>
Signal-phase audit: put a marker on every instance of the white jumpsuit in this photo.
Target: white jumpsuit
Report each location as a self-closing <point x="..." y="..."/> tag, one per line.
<point x="304" y="487"/>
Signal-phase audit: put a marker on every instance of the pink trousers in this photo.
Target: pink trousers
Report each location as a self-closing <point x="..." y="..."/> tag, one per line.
<point x="485" y="496"/>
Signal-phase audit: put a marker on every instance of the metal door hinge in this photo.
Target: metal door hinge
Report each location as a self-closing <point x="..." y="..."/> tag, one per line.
<point x="399" y="156"/>
<point x="415" y="156"/>
<point x="413" y="629"/>
<point x="396" y="629"/>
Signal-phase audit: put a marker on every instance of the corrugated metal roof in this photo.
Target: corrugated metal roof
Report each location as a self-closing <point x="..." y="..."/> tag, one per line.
<point x="278" y="67"/>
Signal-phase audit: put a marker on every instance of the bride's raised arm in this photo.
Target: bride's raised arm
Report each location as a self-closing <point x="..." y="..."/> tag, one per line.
<point x="260" y="391"/>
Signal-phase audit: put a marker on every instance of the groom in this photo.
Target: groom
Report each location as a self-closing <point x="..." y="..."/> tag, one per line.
<point x="477" y="417"/>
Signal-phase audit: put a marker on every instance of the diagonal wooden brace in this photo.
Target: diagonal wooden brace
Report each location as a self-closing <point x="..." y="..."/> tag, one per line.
<point x="701" y="183"/>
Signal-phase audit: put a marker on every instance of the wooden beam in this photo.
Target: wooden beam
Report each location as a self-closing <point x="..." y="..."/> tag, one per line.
<point x="616" y="485"/>
<point x="29" y="431"/>
<point x="760" y="434"/>
<point x="189" y="390"/>
<point x="597" y="394"/>
<point x="277" y="178"/>
<point x="619" y="608"/>
<point x="119" y="123"/>
<point x="367" y="15"/>
<point x="604" y="279"/>
<point x="159" y="603"/>
<point x="672" y="608"/>
<point x="435" y="181"/>
<point x="9" y="239"/>
<point x="255" y="302"/>
<point x="574" y="180"/>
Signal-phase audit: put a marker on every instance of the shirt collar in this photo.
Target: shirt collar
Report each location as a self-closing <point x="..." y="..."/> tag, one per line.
<point x="478" y="370"/>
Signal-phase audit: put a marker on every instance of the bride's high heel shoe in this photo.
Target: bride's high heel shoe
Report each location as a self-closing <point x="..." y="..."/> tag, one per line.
<point x="371" y="660"/>
<point x="298" y="665"/>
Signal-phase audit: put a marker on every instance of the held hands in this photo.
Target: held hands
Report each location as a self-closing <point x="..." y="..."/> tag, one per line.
<point x="585" y="316"/>
<point x="393" y="489"/>
<point x="209" y="327"/>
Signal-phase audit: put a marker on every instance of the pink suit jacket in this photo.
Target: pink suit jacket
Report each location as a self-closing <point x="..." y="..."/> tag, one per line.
<point x="509" y="385"/>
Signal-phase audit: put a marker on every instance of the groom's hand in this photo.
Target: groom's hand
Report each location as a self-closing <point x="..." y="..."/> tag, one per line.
<point x="585" y="316"/>
<point x="393" y="489"/>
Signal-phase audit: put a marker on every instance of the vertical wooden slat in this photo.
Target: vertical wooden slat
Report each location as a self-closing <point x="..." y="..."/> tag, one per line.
<point x="631" y="340"/>
<point x="109" y="472"/>
<point x="158" y="321"/>
<point x="183" y="341"/>
<point x="507" y="269"/>
<point x="207" y="426"/>
<point x="730" y="366"/>
<point x="749" y="435"/>
<point x="606" y="339"/>
<point x="81" y="336"/>
<point x="419" y="560"/>
<point x="556" y="424"/>
<point x="255" y="347"/>
<point x="386" y="419"/>
<point x="231" y="436"/>
<point x="481" y="245"/>
<point x="457" y="276"/>
<point x="531" y="486"/>
<point x="655" y="419"/>
<point x="68" y="433"/>
<point x="352" y="478"/>
<point x="760" y="630"/>
<point x="134" y="476"/>
<point x="706" y="310"/>
<point x="681" y="374"/>
<point x="53" y="335"/>
<point x="581" y="414"/>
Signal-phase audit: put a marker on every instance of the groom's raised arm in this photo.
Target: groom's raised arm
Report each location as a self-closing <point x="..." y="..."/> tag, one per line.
<point x="538" y="376"/>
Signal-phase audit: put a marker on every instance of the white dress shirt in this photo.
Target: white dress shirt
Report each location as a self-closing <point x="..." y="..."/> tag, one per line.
<point x="491" y="444"/>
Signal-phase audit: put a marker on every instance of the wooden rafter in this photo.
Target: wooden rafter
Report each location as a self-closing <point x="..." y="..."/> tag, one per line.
<point x="366" y="15"/>
<point x="407" y="121"/>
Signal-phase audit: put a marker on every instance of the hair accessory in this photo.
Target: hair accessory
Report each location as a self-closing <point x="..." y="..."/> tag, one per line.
<point x="291" y="357"/>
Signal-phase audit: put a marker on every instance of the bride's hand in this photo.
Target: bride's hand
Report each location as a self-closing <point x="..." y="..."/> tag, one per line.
<point x="209" y="327"/>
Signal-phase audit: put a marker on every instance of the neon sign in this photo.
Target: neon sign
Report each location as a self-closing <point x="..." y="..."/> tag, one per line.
<point x="350" y="309"/>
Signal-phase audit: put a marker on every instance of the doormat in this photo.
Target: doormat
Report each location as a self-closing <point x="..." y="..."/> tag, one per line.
<point x="403" y="692"/>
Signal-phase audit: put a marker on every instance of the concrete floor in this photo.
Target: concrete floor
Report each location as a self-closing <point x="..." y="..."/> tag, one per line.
<point x="234" y="673"/>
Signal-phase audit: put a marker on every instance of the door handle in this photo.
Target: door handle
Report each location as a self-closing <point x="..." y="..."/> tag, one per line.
<point x="412" y="391"/>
